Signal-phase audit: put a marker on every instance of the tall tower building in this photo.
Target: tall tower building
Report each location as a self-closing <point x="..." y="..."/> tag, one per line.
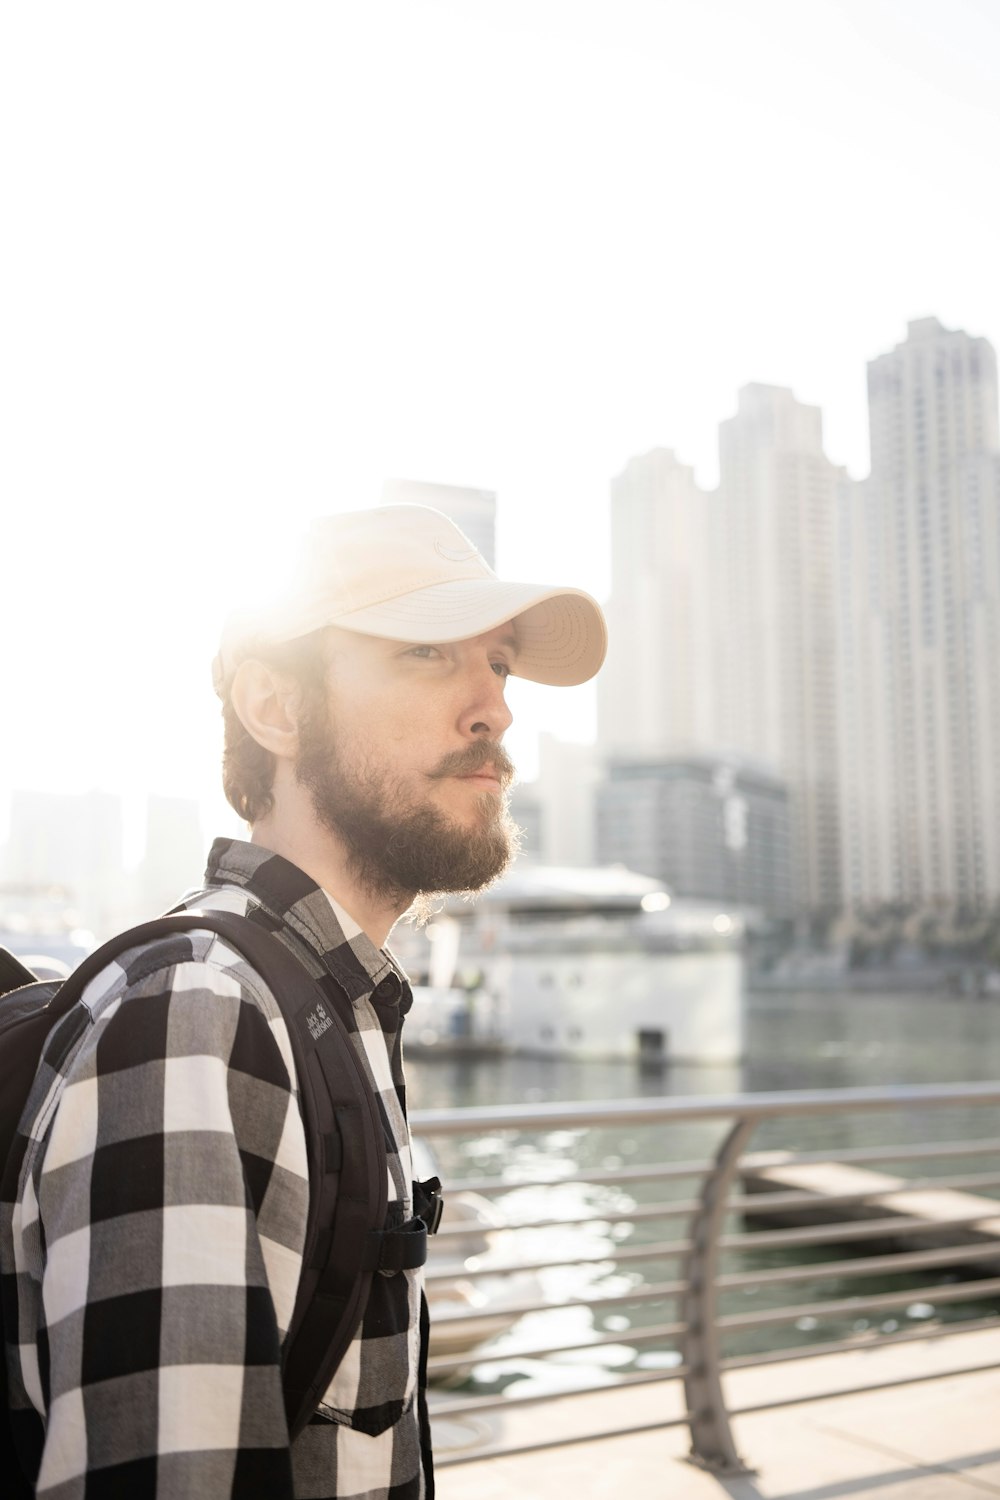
<point x="473" y="511"/>
<point x="921" y="637"/>
<point x="656" y="691"/>
<point x="723" y="641"/>
<point x="775" y="642"/>
<point x="871" y="868"/>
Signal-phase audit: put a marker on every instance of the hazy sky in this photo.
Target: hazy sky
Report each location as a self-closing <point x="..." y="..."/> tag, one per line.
<point x="256" y="258"/>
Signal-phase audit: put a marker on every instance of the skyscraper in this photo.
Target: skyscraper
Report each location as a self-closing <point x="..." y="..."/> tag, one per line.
<point x="721" y="620"/>
<point x="657" y="690"/>
<point x="920" y="631"/>
<point x="775" y="656"/>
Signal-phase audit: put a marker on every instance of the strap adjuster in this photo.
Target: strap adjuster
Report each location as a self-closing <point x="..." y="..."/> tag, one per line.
<point x="402" y="1249"/>
<point x="405" y="1248"/>
<point x="428" y="1202"/>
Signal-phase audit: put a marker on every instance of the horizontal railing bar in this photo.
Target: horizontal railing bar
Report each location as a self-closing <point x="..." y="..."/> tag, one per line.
<point x="476" y="1404"/>
<point x="449" y="1460"/>
<point x="595" y="1216"/>
<point x="652" y="1251"/>
<point x="849" y="1229"/>
<point x="751" y="1162"/>
<point x="441" y="1364"/>
<point x="857" y="1343"/>
<point x="654" y="1292"/>
<point x="909" y="1260"/>
<point x="759" y="1202"/>
<point x="486" y="1185"/>
<point x="590" y="1114"/>
<point x="968" y="1291"/>
<point x="764" y="1239"/>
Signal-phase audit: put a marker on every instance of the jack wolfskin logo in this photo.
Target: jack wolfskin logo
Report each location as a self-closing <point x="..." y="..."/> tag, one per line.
<point x="318" y="1021"/>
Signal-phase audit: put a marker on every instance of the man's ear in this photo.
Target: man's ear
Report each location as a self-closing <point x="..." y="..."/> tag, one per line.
<point x="267" y="704"/>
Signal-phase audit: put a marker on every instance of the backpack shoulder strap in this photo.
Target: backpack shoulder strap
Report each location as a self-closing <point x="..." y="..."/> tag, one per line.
<point x="348" y="1170"/>
<point x="345" y="1146"/>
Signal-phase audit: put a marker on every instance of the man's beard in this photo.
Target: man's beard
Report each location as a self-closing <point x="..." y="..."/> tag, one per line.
<point x="398" y="850"/>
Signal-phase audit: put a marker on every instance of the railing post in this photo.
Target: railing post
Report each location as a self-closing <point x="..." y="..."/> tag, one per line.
<point x="712" y="1445"/>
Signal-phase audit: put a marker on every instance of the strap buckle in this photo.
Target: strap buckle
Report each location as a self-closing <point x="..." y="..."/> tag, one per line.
<point x="428" y="1202"/>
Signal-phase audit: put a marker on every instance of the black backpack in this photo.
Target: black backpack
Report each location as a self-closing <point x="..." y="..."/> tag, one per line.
<point x="346" y="1242"/>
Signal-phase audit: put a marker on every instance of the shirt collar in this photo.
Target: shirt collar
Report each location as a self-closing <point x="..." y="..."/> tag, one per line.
<point x="293" y="897"/>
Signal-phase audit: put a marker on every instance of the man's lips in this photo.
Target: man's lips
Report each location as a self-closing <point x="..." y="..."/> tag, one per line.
<point x="486" y="780"/>
<point x="484" y="763"/>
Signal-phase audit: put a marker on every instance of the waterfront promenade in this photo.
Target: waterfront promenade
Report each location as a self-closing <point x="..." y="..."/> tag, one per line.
<point x="935" y="1438"/>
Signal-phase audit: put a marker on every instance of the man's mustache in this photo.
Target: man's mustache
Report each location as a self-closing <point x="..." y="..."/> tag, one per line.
<point x="481" y="755"/>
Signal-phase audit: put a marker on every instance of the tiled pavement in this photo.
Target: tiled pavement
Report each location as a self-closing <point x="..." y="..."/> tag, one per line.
<point x="937" y="1438"/>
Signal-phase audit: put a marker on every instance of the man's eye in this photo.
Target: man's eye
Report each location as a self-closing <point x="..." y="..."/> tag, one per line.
<point x="425" y="653"/>
<point x="500" y="668"/>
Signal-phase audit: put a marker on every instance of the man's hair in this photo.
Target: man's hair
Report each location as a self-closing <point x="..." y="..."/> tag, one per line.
<point x="247" y="767"/>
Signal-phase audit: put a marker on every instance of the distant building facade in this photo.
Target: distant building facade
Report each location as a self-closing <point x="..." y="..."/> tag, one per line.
<point x="526" y="810"/>
<point x="723" y="637"/>
<point x="473" y="511"/>
<point x="74" y="845"/>
<point x="75" y="842"/>
<point x="567" y="777"/>
<point x="175" y="851"/>
<point x="657" y="691"/>
<point x="919" y="635"/>
<point x="710" y="828"/>
<point x="777" y="659"/>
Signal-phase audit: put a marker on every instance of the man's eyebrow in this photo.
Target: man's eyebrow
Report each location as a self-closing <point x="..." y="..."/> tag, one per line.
<point x="510" y="641"/>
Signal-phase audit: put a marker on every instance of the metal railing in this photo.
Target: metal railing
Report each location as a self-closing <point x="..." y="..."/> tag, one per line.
<point x="951" y="1232"/>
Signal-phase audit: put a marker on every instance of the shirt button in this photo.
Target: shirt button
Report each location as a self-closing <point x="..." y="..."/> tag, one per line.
<point x="388" y="989"/>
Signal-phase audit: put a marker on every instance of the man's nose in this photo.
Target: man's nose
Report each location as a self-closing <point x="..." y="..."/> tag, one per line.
<point x="487" y="712"/>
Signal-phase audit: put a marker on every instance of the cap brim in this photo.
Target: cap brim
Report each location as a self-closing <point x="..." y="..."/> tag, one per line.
<point x="561" y="634"/>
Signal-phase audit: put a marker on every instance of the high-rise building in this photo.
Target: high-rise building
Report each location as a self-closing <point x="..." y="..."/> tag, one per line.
<point x="473" y="511"/>
<point x="870" y="868"/>
<point x="775" y="657"/>
<point x="709" y="828"/>
<point x="564" y="796"/>
<point x="920" y="629"/>
<point x="722" y="623"/>
<point x="656" y="693"/>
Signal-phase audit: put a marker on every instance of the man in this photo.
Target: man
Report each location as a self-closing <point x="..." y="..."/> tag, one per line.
<point x="159" y="1227"/>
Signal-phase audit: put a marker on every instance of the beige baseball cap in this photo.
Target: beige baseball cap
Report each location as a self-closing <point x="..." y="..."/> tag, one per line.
<point x="407" y="573"/>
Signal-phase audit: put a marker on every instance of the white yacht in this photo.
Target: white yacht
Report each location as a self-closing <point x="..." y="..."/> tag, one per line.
<point x="596" y="962"/>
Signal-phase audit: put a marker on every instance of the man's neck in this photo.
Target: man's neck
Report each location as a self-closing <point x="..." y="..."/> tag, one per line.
<point x="321" y="856"/>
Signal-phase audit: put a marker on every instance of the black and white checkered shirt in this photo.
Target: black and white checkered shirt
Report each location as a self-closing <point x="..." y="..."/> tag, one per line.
<point x="161" y="1215"/>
